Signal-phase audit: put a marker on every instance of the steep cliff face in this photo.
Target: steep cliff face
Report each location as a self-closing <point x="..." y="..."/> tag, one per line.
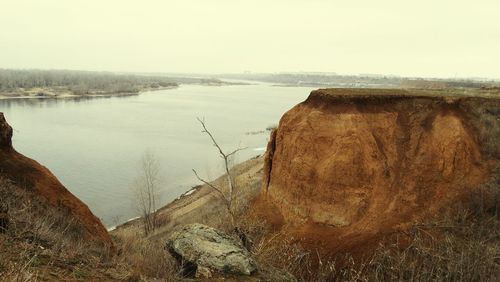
<point x="5" y="134"/>
<point x="39" y="182"/>
<point x="366" y="160"/>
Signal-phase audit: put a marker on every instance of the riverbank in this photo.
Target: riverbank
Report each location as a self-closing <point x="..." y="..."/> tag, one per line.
<point x="53" y="93"/>
<point x="58" y="93"/>
<point x="23" y="84"/>
<point x="202" y="203"/>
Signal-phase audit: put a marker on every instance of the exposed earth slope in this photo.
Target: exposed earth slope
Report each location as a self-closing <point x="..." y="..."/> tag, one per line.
<point x="44" y="188"/>
<point x="348" y="165"/>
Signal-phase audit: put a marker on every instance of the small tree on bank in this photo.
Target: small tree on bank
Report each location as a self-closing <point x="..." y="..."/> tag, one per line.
<point x="146" y="190"/>
<point x="226" y="196"/>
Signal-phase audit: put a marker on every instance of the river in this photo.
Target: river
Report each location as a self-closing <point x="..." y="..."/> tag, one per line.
<point x="94" y="145"/>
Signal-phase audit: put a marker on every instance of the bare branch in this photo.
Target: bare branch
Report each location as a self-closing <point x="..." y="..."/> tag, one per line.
<point x="205" y="130"/>
<point x="228" y="200"/>
<point x="209" y="184"/>
<point x="236" y="151"/>
<point x="146" y="187"/>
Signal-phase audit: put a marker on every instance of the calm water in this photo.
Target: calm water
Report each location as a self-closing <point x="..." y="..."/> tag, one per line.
<point x="94" y="146"/>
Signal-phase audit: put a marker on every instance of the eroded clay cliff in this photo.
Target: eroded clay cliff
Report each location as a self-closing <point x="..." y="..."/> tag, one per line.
<point x="359" y="161"/>
<point x="39" y="182"/>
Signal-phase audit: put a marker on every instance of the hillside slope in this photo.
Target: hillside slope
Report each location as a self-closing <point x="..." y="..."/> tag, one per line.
<point x="44" y="188"/>
<point x="347" y="166"/>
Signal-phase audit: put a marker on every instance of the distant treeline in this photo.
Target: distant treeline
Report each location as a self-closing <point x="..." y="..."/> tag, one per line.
<point x="80" y="82"/>
<point x="335" y="80"/>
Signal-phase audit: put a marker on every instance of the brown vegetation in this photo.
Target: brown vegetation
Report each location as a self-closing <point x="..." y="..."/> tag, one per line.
<point x="43" y="241"/>
<point x="460" y="243"/>
<point x="143" y="257"/>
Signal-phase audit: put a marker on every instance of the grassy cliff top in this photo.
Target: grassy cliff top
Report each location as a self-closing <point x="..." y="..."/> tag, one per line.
<point x="492" y="93"/>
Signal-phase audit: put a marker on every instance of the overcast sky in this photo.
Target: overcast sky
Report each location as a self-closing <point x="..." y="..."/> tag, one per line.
<point x="441" y="38"/>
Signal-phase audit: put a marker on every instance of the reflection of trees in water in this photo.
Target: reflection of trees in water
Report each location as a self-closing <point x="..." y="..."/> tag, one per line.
<point x="53" y="102"/>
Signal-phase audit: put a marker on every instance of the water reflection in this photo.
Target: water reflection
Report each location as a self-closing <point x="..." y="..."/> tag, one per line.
<point x="53" y="102"/>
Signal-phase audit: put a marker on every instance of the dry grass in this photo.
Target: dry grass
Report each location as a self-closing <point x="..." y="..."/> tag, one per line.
<point x="460" y="247"/>
<point x="462" y="244"/>
<point x="41" y="241"/>
<point x="143" y="257"/>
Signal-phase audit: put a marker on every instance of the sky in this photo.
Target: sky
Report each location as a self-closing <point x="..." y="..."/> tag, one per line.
<point x="438" y="38"/>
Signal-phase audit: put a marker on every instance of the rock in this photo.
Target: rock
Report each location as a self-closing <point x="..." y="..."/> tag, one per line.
<point x="203" y="272"/>
<point x="210" y="249"/>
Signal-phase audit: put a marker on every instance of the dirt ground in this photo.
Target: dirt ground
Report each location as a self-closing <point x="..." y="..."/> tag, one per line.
<point x="204" y="205"/>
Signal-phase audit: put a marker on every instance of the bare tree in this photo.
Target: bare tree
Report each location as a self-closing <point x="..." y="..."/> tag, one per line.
<point x="146" y="188"/>
<point x="226" y="196"/>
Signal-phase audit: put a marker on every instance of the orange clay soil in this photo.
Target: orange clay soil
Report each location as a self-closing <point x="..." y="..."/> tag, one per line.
<point x="33" y="177"/>
<point x="347" y="167"/>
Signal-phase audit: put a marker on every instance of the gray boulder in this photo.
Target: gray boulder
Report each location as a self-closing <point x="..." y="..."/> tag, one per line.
<point x="210" y="249"/>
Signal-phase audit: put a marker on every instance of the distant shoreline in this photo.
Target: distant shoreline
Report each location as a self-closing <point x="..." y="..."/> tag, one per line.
<point x="72" y="95"/>
<point x="69" y="95"/>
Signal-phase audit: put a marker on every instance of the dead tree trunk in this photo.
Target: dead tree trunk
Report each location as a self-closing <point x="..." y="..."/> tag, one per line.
<point x="226" y="196"/>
